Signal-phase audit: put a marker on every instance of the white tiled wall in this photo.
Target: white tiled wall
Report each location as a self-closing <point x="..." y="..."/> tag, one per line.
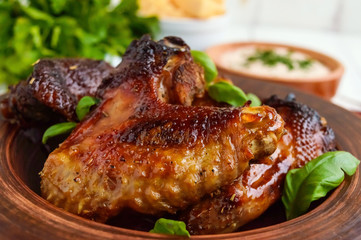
<point x="351" y="16"/>
<point x="243" y="12"/>
<point x="337" y="15"/>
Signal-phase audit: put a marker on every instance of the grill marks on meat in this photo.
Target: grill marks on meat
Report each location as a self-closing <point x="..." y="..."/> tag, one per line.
<point x="54" y="89"/>
<point x="145" y="148"/>
<point x="260" y="186"/>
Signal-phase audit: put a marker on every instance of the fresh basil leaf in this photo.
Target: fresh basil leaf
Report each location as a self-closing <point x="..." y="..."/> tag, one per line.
<point x="170" y="227"/>
<point x="255" y="100"/>
<point x="58" y="129"/>
<point x="210" y="70"/>
<point x="84" y="105"/>
<point x="315" y="180"/>
<point x="225" y="92"/>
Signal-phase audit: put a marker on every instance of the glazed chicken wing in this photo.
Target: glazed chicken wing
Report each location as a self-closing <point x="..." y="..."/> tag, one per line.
<point x="145" y="148"/>
<point x="53" y="90"/>
<point x="260" y="186"/>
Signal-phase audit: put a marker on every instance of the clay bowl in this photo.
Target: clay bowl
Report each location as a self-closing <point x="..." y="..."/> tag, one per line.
<point x="324" y="87"/>
<point x="25" y="215"/>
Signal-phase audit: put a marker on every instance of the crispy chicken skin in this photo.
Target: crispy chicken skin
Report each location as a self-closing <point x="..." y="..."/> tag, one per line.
<point x="145" y="148"/>
<point x="53" y="90"/>
<point x="260" y="186"/>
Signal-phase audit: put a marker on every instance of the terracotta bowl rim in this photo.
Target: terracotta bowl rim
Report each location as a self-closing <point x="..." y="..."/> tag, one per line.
<point x="69" y="218"/>
<point x="335" y="73"/>
<point x="114" y="230"/>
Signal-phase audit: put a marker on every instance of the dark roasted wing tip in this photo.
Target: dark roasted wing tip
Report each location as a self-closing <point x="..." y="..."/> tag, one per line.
<point x="175" y="42"/>
<point x="306" y="117"/>
<point x="291" y="97"/>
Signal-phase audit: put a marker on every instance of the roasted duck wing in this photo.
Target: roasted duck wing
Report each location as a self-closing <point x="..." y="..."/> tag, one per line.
<point x="53" y="89"/>
<point x="260" y="186"/>
<point x="145" y="148"/>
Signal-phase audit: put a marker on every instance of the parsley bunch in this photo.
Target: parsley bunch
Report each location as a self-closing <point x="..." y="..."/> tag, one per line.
<point x="35" y="29"/>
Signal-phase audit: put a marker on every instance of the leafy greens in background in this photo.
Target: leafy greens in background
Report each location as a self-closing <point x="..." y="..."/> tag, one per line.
<point x="170" y="227"/>
<point x="82" y="109"/>
<point x="315" y="180"/>
<point x="222" y="91"/>
<point x="65" y="28"/>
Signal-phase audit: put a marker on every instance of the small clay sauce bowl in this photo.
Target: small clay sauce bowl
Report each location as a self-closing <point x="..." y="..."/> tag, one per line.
<point x="25" y="215"/>
<point x="324" y="87"/>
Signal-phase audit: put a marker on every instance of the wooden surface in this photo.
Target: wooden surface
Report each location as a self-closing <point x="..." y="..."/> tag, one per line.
<point x="25" y="215"/>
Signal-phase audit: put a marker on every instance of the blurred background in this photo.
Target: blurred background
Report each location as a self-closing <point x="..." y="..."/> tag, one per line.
<point x="102" y="29"/>
<point x="329" y="26"/>
<point x="332" y="27"/>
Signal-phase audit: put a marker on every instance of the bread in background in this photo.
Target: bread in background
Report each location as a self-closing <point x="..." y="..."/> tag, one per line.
<point x="200" y="9"/>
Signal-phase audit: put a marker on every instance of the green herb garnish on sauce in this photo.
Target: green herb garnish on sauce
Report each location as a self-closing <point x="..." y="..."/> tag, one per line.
<point x="271" y="58"/>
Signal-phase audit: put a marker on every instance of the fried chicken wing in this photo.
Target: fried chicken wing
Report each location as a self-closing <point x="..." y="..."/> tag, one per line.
<point x="53" y="89"/>
<point x="145" y="148"/>
<point x="260" y="186"/>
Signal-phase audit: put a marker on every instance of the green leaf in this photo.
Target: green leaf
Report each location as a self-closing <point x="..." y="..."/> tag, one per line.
<point x="22" y="66"/>
<point x="38" y="14"/>
<point x="170" y="227"/>
<point x="225" y="92"/>
<point x="55" y="36"/>
<point x="64" y="28"/>
<point x="129" y="6"/>
<point x="255" y="100"/>
<point x="35" y="32"/>
<point x="58" y="129"/>
<point x="84" y="105"/>
<point x="5" y="30"/>
<point x="304" y="64"/>
<point x="58" y="5"/>
<point x="271" y="58"/>
<point x="86" y="38"/>
<point x="22" y="35"/>
<point x="315" y="180"/>
<point x="210" y="70"/>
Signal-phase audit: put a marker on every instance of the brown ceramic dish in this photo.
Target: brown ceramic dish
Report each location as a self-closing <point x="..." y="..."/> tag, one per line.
<point x="324" y="87"/>
<point x="25" y="215"/>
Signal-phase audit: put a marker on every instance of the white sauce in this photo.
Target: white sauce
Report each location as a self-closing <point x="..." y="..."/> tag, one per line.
<point x="237" y="60"/>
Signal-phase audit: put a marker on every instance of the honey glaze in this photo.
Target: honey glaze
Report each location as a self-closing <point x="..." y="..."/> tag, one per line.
<point x="135" y="150"/>
<point x="306" y="137"/>
<point x="30" y="141"/>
